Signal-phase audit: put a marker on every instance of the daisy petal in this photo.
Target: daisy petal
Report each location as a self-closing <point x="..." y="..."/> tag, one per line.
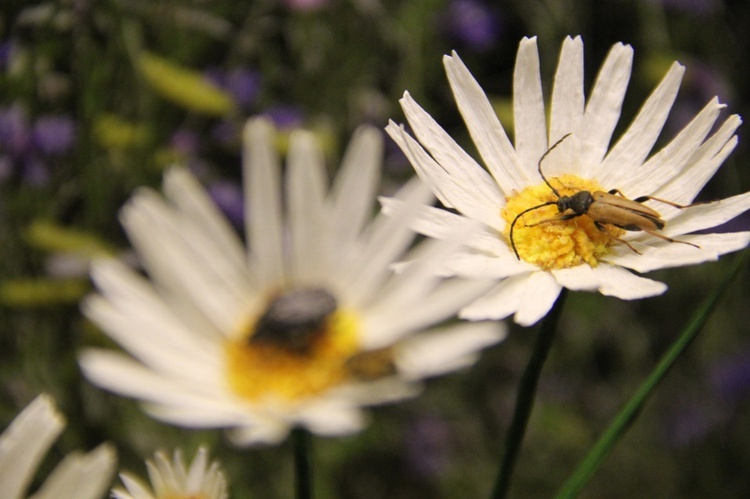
<point x="666" y="255"/>
<point x="567" y="104"/>
<point x="259" y="435"/>
<point x="635" y="145"/>
<point x="702" y="165"/>
<point x="463" y="183"/>
<point x="529" y="122"/>
<point x="485" y="128"/>
<point x="609" y="280"/>
<point x="707" y="215"/>
<point x="529" y="296"/>
<point x="442" y="224"/>
<point x="332" y="419"/>
<point x="477" y="265"/>
<point x="356" y="185"/>
<point x="25" y="442"/>
<point x="603" y="108"/>
<point x="80" y="476"/>
<point x="262" y="187"/>
<point x="450" y="349"/>
<point x="306" y="185"/>
<point x="671" y="160"/>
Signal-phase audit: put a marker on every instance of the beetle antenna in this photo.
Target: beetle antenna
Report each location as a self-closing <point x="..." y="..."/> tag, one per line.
<point x="512" y="225"/>
<point x="539" y="165"/>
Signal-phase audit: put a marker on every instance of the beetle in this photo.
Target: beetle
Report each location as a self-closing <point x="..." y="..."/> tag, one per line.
<point x="295" y="319"/>
<point x="604" y="208"/>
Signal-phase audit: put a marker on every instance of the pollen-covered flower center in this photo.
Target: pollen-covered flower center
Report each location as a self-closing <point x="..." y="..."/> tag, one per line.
<point x="541" y="238"/>
<point x="301" y="345"/>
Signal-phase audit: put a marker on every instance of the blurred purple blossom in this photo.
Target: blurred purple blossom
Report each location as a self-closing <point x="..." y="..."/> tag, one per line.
<point x="225" y="132"/>
<point x="26" y="147"/>
<point x="472" y="24"/>
<point x="428" y="445"/>
<point x="693" y="417"/>
<point x="691" y="422"/>
<point x="243" y="84"/>
<point x="305" y="5"/>
<point x="228" y="197"/>
<point x="14" y="131"/>
<point x="730" y="376"/>
<point x="53" y="135"/>
<point x="285" y="116"/>
<point x="7" y="48"/>
<point x="185" y="142"/>
<point x="697" y="7"/>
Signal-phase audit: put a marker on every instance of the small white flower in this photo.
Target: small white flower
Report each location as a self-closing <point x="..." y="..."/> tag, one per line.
<point x="302" y="329"/>
<point x="172" y="480"/>
<point x="23" y="446"/>
<point x="573" y="254"/>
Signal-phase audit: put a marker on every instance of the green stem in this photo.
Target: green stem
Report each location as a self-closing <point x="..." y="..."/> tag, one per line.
<point x="302" y="463"/>
<point x="525" y="397"/>
<point x="632" y="408"/>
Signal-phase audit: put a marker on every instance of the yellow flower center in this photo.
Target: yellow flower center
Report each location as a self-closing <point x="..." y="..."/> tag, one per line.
<point x="276" y="370"/>
<point x="556" y="244"/>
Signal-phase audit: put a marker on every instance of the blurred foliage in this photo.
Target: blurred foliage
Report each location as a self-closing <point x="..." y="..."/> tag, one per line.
<point x="146" y="84"/>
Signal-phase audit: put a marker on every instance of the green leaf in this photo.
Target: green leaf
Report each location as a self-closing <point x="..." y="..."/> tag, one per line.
<point x="184" y="87"/>
<point x="55" y="238"/>
<point x="42" y="292"/>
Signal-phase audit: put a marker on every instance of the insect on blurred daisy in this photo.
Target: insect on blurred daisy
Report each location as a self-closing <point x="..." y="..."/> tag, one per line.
<point x="172" y="480"/>
<point x="302" y="329"/>
<point x="580" y="250"/>
<point x="23" y="446"/>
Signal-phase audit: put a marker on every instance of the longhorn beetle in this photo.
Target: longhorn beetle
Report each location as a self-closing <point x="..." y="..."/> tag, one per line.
<point x="604" y="208"/>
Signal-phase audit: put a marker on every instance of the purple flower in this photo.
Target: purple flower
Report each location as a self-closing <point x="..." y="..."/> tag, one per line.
<point x="225" y="132"/>
<point x="14" y="131"/>
<point x="305" y="5"/>
<point x="472" y="23"/>
<point x="53" y="135"/>
<point x="244" y="85"/>
<point x="731" y="376"/>
<point x="285" y="116"/>
<point x="185" y="142"/>
<point x="7" y="48"/>
<point x="34" y="171"/>
<point x="26" y="148"/>
<point x="228" y="197"/>
<point x="428" y="445"/>
<point x="697" y="7"/>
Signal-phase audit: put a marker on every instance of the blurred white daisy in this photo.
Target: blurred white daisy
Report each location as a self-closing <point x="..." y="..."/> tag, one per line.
<point x="23" y="446"/>
<point x="302" y="330"/>
<point x="574" y="253"/>
<point x="172" y="480"/>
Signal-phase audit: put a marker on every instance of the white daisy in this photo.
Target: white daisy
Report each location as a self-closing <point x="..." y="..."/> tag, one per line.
<point x="302" y="330"/>
<point x="172" y="480"/>
<point x="574" y="254"/>
<point x="23" y="446"/>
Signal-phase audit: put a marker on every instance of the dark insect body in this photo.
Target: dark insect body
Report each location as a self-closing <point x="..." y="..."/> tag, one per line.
<point x="604" y="208"/>
<point x="294" y="319"/>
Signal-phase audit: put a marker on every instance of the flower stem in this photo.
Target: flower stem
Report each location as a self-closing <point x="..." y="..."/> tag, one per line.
<point x="525" y="397"/>
<point x="632" y="408"/>
<point x="302" y="463"/>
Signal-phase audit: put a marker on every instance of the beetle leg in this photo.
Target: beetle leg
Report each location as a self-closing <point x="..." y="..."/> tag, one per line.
<point x="618" y="191"/>
<point x="602" y="228"/>
<point x="668" y="239"/>
<point x="670" y="203"/>
<point x="557" y="218"/>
